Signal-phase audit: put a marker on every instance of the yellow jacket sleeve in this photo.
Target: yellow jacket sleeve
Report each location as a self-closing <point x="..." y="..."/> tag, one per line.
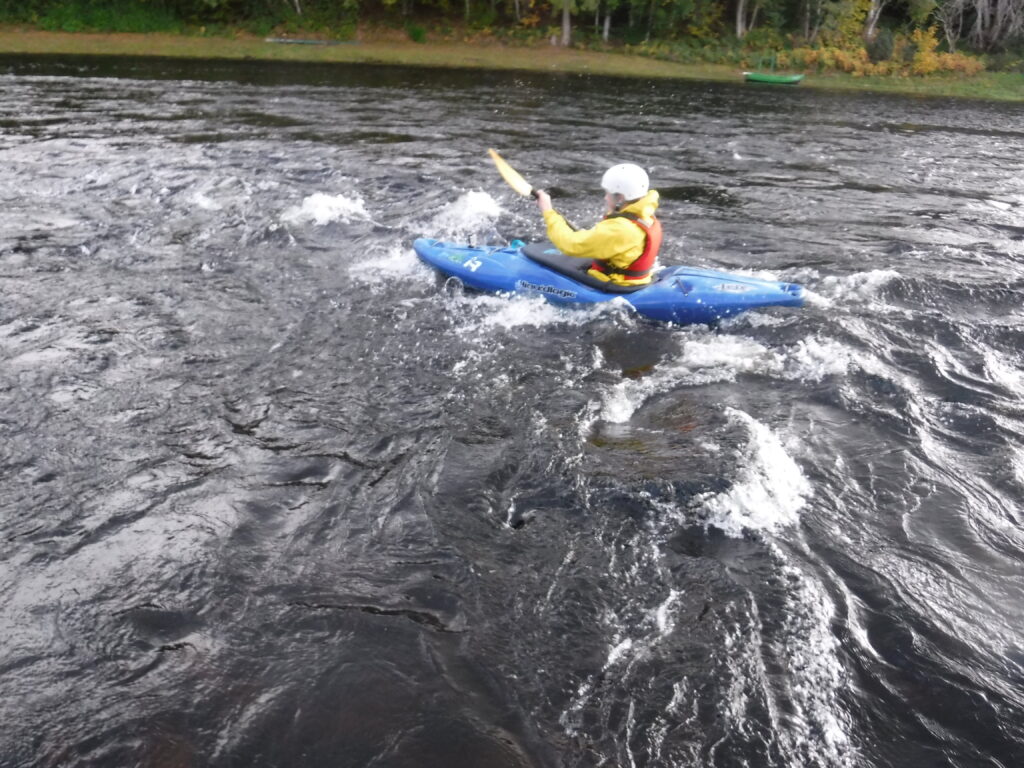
<point x="617" y="241"/>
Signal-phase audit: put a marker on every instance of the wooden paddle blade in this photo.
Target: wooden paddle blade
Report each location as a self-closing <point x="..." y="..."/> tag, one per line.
<point x="510" y="175"/>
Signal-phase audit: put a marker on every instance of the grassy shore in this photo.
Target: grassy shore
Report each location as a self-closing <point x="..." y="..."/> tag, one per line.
<point x="541" y="58"/>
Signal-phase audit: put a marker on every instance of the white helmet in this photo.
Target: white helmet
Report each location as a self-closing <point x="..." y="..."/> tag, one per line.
<point x="627" y="180"/>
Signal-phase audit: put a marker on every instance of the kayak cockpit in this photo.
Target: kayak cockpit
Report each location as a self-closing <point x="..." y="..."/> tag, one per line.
<point x="549" y="256"/>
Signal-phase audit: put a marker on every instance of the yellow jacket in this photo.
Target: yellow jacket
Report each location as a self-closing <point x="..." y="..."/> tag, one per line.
<point x="619" y="242"/>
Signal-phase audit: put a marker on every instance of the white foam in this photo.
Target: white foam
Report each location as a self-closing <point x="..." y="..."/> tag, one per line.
<point x="858" y="287"/>
<point x="1004" y="373"/>
<point x="464" y="218"/>
<point x="378" y="270"/>
<point x="50" y="356"/>
<point x="811" y="298"/>
<point x="715" y="358"/>
<point x="619" y="403"/>
<point x="805" y="705"/>
<point x="812" y="359"/>
<point x="816" y="727"/>
<point x="200" y="199"/>
<point x="755" y="319"/>
<point x="321" y="209"/>
<point x="722" y="356"/>
<point x="521" y="311"/>
<point x="769" y="491"/>
<point x="703" y="361"/>
<point x="663" y="617"/>
<point x="618" y="652"/>
<point x="680" y="691"/>
<point x="1017" y="459"/>
<point x="219" y="193"/>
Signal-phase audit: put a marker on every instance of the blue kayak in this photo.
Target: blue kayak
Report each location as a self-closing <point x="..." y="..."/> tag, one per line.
<point x="676" y="295"/>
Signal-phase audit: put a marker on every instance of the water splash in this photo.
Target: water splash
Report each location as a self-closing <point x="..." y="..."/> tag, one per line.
<point x="818" y="728"/>
<point x="321" y="209"/>
<point x="1004" y="373"/>
<point x="487" y="314"/>
<point x="377" y="271"/>
<point x="465" y="218"/>
<point x="712" y="358"/>
<point x="859" y="287"/>
<point x="814" y="358"/>
<point x="770" y="489"/>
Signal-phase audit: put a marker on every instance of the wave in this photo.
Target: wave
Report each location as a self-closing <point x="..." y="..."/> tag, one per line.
<point x="321" y="209"/>
<point x="769" y="490"/>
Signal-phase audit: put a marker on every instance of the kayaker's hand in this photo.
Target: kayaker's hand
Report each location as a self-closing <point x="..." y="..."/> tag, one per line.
<point x="543" y="200"/>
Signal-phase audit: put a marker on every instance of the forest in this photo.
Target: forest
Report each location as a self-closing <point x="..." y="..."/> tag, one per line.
<point x="861" y="37"/>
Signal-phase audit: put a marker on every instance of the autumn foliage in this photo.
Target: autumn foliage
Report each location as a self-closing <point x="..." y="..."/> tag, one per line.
<point x="913" y="55"/>
<point x="905" y="38"/>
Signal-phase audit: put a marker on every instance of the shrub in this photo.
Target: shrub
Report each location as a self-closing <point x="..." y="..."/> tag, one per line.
<point x="112" y="16"/>
<point x="926" y="60"/>
<point x="960" y="63"/>
<point x="881" y="48"/>
<point x="1006" y="61"/>
<point x="764" y="38"/>
<point x="416" y="33"/>
<point x="916" y="55"/>
<point x="904" y="49"/>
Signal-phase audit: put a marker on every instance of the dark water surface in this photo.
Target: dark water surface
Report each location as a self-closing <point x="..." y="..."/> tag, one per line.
<point x="271" y="497"/>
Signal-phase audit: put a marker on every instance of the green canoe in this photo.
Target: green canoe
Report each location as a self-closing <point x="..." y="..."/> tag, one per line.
<point x="766" y="77"/>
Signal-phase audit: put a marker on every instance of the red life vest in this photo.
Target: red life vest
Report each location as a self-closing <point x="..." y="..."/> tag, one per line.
<point x="642" y="266"/>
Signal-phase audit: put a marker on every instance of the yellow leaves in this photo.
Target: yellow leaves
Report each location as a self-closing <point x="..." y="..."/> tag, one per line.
<point x="958" y="63"/>
<point x="830" y="59"/>
<point x="531" y="15"/>
<point x="913" y="55"/>
<point x="845" y="23"/>
<point x="706" y="21"/>
<point x="926" y="60"/>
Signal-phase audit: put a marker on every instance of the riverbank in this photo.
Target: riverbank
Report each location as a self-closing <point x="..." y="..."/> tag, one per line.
<point x="490" y="55"/>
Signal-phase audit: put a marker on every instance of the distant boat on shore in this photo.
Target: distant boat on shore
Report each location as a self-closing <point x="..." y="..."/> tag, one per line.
<point x="771" y="77"/>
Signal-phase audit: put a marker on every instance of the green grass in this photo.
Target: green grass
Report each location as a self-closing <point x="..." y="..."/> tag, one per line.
<point x="989" y="86"/>
<point x="490" y="55"/>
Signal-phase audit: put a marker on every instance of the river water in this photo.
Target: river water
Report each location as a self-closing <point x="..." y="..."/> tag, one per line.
<point x="272" y="496"/>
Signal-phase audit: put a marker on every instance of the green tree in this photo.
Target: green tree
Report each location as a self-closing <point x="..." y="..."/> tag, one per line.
<point x="845" y="20"/>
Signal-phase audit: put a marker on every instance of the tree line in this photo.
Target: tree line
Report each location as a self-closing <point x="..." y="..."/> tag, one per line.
<point x="880" y="29"/>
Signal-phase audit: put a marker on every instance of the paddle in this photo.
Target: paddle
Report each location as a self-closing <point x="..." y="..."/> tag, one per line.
<point x="517" y="182"/>
<point x="511" y="176"/>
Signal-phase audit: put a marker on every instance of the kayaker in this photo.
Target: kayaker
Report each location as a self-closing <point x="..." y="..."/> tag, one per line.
<point x="624" y="245"/>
